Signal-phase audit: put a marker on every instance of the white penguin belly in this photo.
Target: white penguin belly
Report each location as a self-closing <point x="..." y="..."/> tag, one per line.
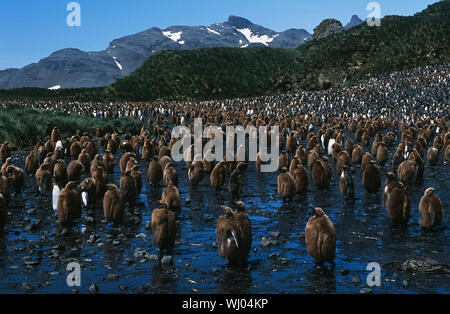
<point x="84" y="197"/>
<point x="55" y="196"/>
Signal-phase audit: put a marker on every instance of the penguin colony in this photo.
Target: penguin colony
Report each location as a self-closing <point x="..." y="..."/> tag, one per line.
<point x="315" y="138"/>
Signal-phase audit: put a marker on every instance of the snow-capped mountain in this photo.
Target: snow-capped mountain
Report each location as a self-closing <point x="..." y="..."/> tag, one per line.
<point x="74" y="68"/>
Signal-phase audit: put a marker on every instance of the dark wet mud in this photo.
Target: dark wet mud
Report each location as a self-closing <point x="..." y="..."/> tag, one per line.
<point x="34" y="256"/>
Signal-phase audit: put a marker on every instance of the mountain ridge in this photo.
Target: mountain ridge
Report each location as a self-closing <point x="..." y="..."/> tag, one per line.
<point x="75" y="68"/>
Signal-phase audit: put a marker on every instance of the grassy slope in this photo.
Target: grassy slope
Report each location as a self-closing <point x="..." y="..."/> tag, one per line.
<point x="24" y="127"/>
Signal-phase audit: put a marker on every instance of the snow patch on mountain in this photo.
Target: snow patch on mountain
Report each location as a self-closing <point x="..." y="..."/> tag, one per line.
<point x="173" y="36"/>
<point x="118" y="64"/>
<point x="264" y="39"/>
<point x="212" y="31"/>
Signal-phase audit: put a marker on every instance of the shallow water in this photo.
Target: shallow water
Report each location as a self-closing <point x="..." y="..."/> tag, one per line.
<point x="362" y="227"/>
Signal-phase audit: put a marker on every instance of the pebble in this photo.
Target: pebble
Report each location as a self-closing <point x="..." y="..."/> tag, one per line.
<point x="141" y="236"/>
<point x="93" y="288"/>
<point x="166" y="260"/>
<point x="112" y="277"/>
<point x="152" y="257"/>
<point x="275" y="234"/>
<point x="356" y="280"/>
<point x="264" y="242"/>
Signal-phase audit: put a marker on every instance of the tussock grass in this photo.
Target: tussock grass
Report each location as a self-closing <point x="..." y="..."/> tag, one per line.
<point x="23" y="127"/>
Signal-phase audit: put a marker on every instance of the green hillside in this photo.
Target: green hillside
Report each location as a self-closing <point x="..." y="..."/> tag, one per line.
<point x="400" y="43"/>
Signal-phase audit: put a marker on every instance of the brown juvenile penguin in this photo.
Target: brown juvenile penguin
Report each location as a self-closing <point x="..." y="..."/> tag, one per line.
<point x="112" y="205"/>
<point x="164" y="230"/>
<point x="357" y="154"/>
<point x="382" y="154"/>
<point x="128" y="189"/>
<point x="147" y="150"/>
<point x="170" y="175"/>
<point x="137" y="177"/>
<point x="87" y="189"/>
<point x="124" y="160"/>
<point x="389" y="185"/>
<point x="44" y="179"/>
<point x="447" y="153"/>
<point x="196" y="172"/>
<point x="218" y="175"/>
<point x="7" y="163"/>
<point x="430" y="208"/>
<point x="320" y="237"/>
<point x="371" y="177"/>
<point x="320" y="174"/>
<point x="155" y="172"/>
<point x="398" y="206"/>
<point x="300" y="153"/>
<point x="283" y="160"/>
<point x="407" y="171"/>
<point x="346" y="185"/>
<point x="109" y="161"/>
<point x="4" y="188"/>
<point x="294" y="164"/>
<point x="286" y="185"/>
<point x="291" y="143"/>
<point x="5" y="151"/>
<point x="433" y="156"/>
<point x="84" y="158"/>
<point x="3" y="213"/>
<point x="96" y="162"/>
<point x="91" y="149"/>
<point x="245" y="226"/>
<point x="75" y="150"/>
<point x="69" y="205"/>
<point x="233" y="233"/>
<point x="101" y="181"/>
<point x="16" y="175"/>
<point x="171" y="198"/>
<point x="312" y="157"/>
<point x="235" y="183"/>
<point x="75" y="170"/>
<point x="60" y="173"/>
<point x="366" y="158"/>
<point x="301" y="179"/>
<point x="31" y="163"/>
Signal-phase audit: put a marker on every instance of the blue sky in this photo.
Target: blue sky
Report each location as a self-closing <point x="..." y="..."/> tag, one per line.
<point x="32" y="29"/>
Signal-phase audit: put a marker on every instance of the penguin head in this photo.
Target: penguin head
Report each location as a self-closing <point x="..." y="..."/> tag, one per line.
<point x="316" y="212"/>
<point x="71" y="185"/>
<point x="429" y="191"/>
<point x="228" y="211"/>
<point x="390" y="176"/>
<point x="240" y="206"/>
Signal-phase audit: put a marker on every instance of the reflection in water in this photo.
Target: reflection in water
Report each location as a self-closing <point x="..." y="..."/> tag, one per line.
<point x="164" y="278"/>
<point x="235" y="281"/>
<point x="321" y="279"/>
